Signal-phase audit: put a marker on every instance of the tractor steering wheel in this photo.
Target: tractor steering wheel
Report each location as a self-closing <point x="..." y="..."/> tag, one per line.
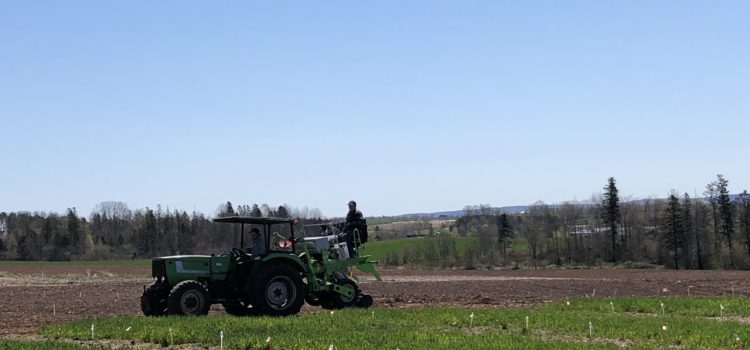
<point x="239" y="253"/>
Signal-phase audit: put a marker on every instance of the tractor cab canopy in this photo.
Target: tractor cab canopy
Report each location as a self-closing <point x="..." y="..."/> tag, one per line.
<point x="277" y="234"/>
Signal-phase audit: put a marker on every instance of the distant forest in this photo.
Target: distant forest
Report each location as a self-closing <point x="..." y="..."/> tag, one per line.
<point x="680" y="232"/>
<point x="113" y="231"/>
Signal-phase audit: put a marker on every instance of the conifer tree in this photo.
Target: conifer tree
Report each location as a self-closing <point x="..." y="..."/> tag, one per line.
<point x="726" y="214"/>
<point x="610" y="211"/>
<point x="673" y="228"/>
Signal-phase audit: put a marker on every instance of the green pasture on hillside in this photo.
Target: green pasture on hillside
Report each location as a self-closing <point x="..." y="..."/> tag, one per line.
<point x="379" y="249"/>
<point x="596" y="323"/>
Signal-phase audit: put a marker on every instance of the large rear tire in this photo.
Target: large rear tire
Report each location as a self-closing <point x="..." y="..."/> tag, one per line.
<point x="154" y="299"/>
<point x="278" y="291"/>
<point x="189" y="298"/>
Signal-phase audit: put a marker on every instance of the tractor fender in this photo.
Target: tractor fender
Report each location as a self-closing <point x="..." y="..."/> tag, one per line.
<point x="281" y="259"/>
<point x="288" y="259"/>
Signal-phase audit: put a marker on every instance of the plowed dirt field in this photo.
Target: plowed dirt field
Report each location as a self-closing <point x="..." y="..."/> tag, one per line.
<point x="35" y="295"/>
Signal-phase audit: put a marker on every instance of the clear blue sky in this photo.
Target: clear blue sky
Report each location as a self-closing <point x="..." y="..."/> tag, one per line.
<point x="405" y="106"/>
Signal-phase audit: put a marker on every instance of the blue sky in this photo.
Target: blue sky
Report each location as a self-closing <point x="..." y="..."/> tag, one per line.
<point x="404" y="106"/>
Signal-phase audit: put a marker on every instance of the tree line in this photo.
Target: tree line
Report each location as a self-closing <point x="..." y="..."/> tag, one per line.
<point x="113" y="231"/>
<point x="681" y="232"/>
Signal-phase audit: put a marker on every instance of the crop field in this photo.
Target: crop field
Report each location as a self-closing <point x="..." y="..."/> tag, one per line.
<point x="412" y="308"/>
<point x="590" y="323"/>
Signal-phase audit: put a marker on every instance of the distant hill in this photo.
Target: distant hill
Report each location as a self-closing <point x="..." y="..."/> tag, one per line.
<point x="458" y="213"/>
<point x="514" y="209"/>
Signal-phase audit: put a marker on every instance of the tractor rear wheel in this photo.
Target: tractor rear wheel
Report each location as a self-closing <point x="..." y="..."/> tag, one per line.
<point x="154" y="299"/>
<point x="278" y="291"/>
<point x="189" y="298"/>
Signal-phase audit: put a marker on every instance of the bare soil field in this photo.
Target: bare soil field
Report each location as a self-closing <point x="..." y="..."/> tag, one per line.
<point x="32" y="296"/>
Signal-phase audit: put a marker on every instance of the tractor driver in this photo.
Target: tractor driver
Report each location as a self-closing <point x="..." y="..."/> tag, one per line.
<point x="259" y="244"/>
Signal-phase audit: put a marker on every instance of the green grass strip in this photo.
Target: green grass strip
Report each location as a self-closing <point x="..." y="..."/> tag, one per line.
<point x="6" y="344"/>
<point x="635" y="322"/>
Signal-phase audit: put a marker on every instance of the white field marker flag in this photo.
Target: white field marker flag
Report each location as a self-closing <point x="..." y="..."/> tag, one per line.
<point x="128" y="329"/>
<point x="268" y="346"/>
<point x="331" y="347"/>
<point x="527" y="322"/>
<point x="612" y="305"/>
<point x="471" y="320"/>
<point x="721" y="310"/>
<point x="221" y="340"/>
<point x="92" y="331"/>
<point x="171" y="337"/>
<point x="567" y="302"/>
<point x="591" y="329"/>
<point x="662" y="308"/>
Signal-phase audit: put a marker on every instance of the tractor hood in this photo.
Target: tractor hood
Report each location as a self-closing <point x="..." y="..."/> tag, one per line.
<point x="181" y="267"/>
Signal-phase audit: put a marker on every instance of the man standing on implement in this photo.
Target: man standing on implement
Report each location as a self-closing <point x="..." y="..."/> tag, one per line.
<point x="354" y="220"/>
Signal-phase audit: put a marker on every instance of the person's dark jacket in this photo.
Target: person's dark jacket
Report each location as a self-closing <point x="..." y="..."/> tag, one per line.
<point x="354" y="220"/>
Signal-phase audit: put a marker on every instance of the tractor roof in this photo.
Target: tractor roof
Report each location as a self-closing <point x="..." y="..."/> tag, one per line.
<point x="253" y="220"/>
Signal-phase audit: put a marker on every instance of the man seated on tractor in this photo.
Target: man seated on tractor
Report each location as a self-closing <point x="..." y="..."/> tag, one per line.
<point x="259" y="244"/>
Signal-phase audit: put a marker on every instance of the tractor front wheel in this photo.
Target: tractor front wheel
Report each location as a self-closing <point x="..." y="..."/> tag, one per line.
<point x="154" y="299"/>
<point x="189" y="298"/>
<point x="278" y="291"/>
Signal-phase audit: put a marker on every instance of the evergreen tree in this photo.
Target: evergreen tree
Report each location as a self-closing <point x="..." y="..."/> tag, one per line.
<point x="610" y="209"/>
<point x="689" y="231"/>
<point x="743" y="206"/>
<point x="185" y="234"/>
<point x="726" y="214"/>
<point x="255" y="212"/>
<point x="147" y="234"/>
<point x="227" y="210"/>
<point x="282" y="212"/>
<point x="74" y="230"/>
<point x="673" y="229"/>
<point x="504" y="235"/>
<point x="712" y="194"/>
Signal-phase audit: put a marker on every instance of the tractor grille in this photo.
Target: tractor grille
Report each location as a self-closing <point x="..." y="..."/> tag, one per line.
<point x="158" y="268"/>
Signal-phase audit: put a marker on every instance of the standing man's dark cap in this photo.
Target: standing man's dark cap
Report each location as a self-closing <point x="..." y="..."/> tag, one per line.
<point x="352" y="202"/>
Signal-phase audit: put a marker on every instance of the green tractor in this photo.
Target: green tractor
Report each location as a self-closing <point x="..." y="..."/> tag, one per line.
<point x="275" y="277"/>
